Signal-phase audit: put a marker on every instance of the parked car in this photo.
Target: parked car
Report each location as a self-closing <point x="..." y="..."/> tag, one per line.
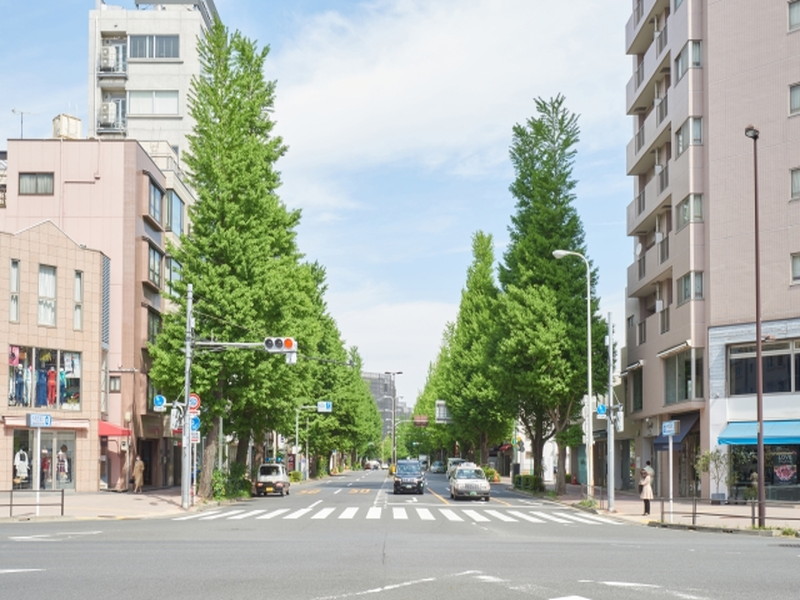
<point x="372" y="464"/>
<point x="272" y="479"/>
<point x="437" y="467"/>
<point x="469" y="481"/>
<point x="409" y="477"/>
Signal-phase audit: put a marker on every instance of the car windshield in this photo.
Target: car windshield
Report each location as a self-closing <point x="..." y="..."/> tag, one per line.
<point x="407" y="469"/>
<point x="269" y="470"/>
<point x="470" y="474"/>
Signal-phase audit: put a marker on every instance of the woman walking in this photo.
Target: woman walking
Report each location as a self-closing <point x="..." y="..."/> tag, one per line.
<point x="646" y="490"/>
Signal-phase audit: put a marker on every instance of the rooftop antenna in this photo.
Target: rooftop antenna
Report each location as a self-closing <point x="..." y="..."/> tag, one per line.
<point x="21" y="120"/>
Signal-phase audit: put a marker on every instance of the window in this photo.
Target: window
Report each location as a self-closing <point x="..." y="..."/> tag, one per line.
<point x="794" y="99"/>
<point x="153" y="326"/>
<point x="154" y="46"/>
<point x="153" y="102"/>
<point x="77" y="298"/>
<point x="114" y="384"/>
<point x="154" y="266"/>
<point x="689" y="134"/>
<point x="173" y="273"/>
<point x="690" y="287"/>
<point x="776" y="367"/>
<point x="175" y="211"/>
<point x="795" y="268"/>
<point x="36" y="184"/>
<point x="680" y="384"/>
<point x="690" y="56"/>
<point x="795" y="184"/>
<point x="794" y="15"/>
<point x="13" y="284"/>
<point x="47" y="295"/>
<point x="156" y="201"/>
<point x="638" y="390"/>
<point x="690" y="210"/>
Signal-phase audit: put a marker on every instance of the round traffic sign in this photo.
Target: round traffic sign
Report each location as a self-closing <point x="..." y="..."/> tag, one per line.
<point x="195" y="424"/>
<point x="194" y="401"/>
<point x="159" y="400"/>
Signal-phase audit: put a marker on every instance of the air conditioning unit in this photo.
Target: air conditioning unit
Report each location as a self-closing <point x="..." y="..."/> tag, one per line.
<point x="108" y="113"/>
<point x="108" y="58"/>
<point x="659" y="305"/>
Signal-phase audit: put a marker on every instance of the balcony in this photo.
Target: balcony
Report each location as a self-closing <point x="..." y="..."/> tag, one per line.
<point x="640" y="90"/>
<point x="654" y="132"/>
<point x="642" y="210"/>
<point x="648" y="270"/>
<point x="637" y="36"/>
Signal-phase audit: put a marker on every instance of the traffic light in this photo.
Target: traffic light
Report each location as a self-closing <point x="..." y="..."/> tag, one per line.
<point x="280" y="345"/>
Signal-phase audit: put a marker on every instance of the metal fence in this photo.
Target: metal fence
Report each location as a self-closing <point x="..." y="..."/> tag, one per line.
<point x="35" y="499"/>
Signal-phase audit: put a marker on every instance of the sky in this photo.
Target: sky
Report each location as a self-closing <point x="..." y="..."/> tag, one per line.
<point x="398" y="116"/>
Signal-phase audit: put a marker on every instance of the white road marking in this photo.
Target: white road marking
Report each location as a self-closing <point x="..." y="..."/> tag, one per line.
<point x="425" y="514"/>
<point x="220" y="515"/>
<point x="374" y="512"/>
<point x="501" y="516"/>
<point x="324" y="513"/>
<point x="450" y="515"/>
<point x="195" y="516"/>
<point x="274" y="513"/>
<point x="549" y="517"/>
<point x="247" y="515"/>
<point x="349" y="512"/>
<point x="522" y="515"/>
<point x="399" y="513"/>
<point x="476" y="516"/>
<point x="298" y="513"/>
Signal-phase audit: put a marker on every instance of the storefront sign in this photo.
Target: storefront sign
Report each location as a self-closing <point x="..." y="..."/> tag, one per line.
<point x="38" y="420"/>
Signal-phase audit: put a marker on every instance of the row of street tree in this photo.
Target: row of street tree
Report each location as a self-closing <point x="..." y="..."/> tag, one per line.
<point x="515" y="352"/>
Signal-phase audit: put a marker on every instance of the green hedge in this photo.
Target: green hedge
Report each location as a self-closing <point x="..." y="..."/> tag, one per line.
<point x="530" y="483"/>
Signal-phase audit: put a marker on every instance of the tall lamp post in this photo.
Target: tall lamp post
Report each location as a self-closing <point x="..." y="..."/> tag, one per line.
<point x="392" y="375"/>
<point x="590" y="433"/>
<point x="753" y="133"/>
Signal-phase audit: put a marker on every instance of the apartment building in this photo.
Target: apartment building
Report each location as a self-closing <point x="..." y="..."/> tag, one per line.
<point x="111" y="196"/>
<point x="141" y="64"/>
<point x="703" y="72"/>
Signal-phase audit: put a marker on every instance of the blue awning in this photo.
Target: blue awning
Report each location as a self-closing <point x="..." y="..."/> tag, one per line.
<point x="746" y="433"/>
<point x="687" y="422"/>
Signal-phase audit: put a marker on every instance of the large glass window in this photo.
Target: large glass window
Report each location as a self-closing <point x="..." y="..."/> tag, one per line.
<point x="153" y="102"/>
<point x="44" y="378"/>
<point x="690" y="56"/>
<point x="47" y="295"/>
<point x="153" y="326"/>
<point x="776" y="366"/>
<point x="173" y="273"/>
<point x="689" y="134"/>
<point x="690" y="210"/>
<point x="680" y="384"/>
<point x="795" y="268"/>
<point x="690" y="287"/>
<point x="794" y="15"/>
<point x="175" y="212"/>
<point x="638" y="390"/>
<point x="794" y="183"/>
<point x="31" y="184"/>
<point x="155" y="203"/>
<point x="154" y="46"/>
<point x="56" y="463"/>
<point x="794" y="99"/>
<point x="13" y="284"/>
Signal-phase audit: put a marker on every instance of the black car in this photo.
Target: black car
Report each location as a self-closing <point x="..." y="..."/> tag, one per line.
<point x="408" y="477"/>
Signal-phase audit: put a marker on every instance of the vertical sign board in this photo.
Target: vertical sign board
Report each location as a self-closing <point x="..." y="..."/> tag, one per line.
<point x="670" y="429"/>
<point x="37" y="421"/>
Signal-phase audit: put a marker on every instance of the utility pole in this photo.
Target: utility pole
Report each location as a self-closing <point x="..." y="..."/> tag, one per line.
<point x="186" y="467"/>
<point x="611" y="418"/>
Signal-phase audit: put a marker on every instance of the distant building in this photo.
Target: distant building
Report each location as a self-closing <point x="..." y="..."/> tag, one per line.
<point x="702" y="73"/>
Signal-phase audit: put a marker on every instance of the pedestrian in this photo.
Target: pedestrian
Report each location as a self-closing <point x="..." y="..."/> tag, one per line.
<point x="646" y="490"/>
<point x="649" y="469"/>
<point x="138" y="475"/>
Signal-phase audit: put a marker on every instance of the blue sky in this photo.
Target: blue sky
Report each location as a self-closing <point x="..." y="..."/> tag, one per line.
<point x="398" y="118"/>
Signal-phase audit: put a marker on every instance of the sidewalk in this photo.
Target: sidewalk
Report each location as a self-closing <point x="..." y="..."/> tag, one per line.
<point x="97" y="505"/>
<point x="720" y="517"/>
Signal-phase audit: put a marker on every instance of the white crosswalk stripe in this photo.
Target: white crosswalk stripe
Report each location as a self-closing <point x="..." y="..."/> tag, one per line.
<point x="401" y="513"/>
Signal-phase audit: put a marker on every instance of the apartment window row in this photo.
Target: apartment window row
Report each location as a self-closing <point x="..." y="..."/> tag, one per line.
<point x="153" y="102"/>
<point x="36" y="184"/>
<point x="794" y="15"/>
<point x="780" y="368"/>
<point x="689" y="210"/>
<point x="47" y="298"/>
<point x="44" y="377"/>
<point x="154" y="46"/>
<point x="690" y="57"/>
<point x="690" y="287"/>
<point x="689" y="134"/>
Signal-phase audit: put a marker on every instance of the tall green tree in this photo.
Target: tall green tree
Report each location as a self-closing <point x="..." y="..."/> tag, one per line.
<point x="241" y="258"/>
<point x="479" y="412"/>
<point x="552" y="292"/>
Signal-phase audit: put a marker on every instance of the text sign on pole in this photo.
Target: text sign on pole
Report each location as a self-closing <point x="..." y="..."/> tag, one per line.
<point x="670" y="428"/>
<point x="324" y="406"/>
<point x="38" y="420"/>
<point x="159" y="403"/>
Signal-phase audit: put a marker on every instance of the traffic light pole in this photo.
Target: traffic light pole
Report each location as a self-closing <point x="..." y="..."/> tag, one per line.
<point x="186" y="470"/>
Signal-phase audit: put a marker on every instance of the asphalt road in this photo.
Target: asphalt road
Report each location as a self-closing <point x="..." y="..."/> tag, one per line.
<point x="350" y="537"/>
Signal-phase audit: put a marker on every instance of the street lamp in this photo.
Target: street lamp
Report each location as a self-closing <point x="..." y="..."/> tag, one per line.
<point x="753" y="133"/>
<point x="393" y="374"/>
<point x="590" y="432"/>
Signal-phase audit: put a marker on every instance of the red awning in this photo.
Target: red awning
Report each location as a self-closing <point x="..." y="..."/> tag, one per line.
<point x="505" y="447"/>
<point x="106" y="429"/>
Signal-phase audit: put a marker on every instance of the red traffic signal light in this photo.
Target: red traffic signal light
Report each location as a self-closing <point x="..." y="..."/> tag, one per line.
<point x="280" y="344"/>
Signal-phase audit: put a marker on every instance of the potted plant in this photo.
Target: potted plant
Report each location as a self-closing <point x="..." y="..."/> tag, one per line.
<point x="715" y="463"/>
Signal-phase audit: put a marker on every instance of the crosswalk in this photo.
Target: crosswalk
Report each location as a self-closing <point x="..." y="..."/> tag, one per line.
<point x="401" y="513"/>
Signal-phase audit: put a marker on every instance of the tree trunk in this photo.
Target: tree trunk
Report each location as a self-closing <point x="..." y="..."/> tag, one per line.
<point x="484" y="441"/>
<point x="561" y="481"/>
<point x="204" y="489"/>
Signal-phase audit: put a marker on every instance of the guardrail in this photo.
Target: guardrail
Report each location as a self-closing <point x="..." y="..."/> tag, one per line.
<point x="29" y="498"/>
<point x="731" y="513"/>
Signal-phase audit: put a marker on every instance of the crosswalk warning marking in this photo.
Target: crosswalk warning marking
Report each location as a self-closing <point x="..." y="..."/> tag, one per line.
<point x="208" y="517"/>
<point x="349" y="512"/>
<point x="324" y="513"/>
<point x="522" y="515"/>
<point x="476" y="516"/>
<point x="247" y="515"/>
<point x="450" y="515"/>
<point x="399" y="513"/>
<point x="374" y="512"/>
<point x="425" y="514"/>
<point x="549" y="517"/>
<point x="273" y="514"/>
<point x="501" y="516"/>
